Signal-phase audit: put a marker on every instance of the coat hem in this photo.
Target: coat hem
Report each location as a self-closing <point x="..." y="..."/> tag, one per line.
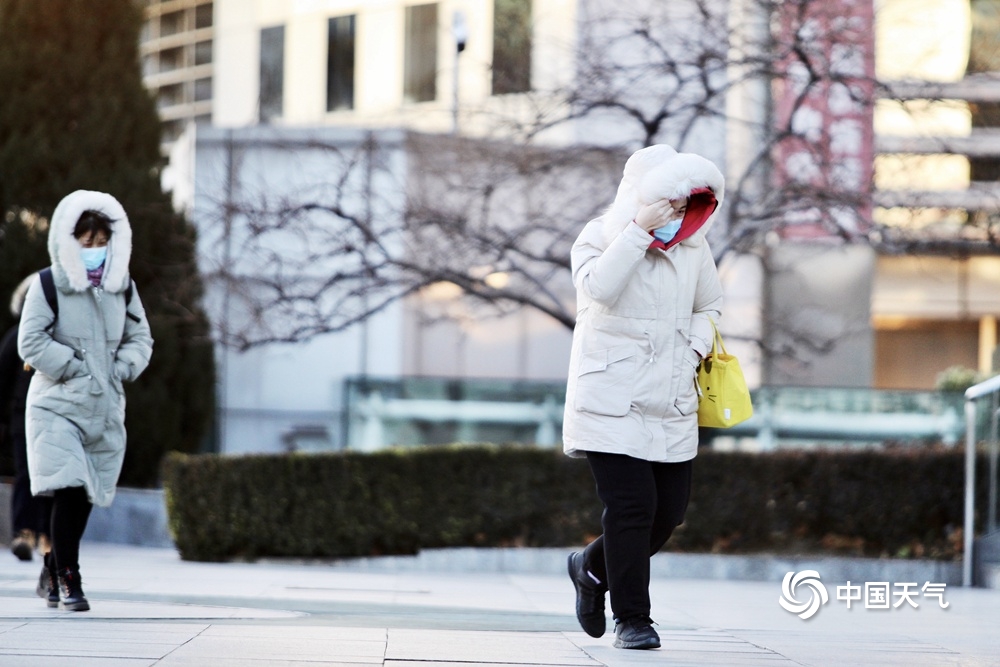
<point x="580" y="451"/>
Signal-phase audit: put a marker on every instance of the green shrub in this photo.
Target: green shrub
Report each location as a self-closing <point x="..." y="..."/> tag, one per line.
<point x="899" y="503"/>
<point x="959" y="378"/>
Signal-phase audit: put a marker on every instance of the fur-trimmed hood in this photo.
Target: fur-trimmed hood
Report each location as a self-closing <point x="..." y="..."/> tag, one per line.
<point x="660" y="172"/>
<point x="68" y="270"/>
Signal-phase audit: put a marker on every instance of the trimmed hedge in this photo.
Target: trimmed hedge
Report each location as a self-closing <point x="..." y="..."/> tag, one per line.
<point x="906" y="503"/>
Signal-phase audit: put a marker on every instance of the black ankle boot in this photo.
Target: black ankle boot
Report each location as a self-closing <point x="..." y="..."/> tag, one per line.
<point x="48" y="582"/>
<point x="71" y="591"/>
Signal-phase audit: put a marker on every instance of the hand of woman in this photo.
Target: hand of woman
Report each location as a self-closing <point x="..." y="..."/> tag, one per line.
<point x="655" y="215"/>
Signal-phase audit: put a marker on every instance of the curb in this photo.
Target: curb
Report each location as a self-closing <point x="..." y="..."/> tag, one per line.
<point x="755" y="567"/>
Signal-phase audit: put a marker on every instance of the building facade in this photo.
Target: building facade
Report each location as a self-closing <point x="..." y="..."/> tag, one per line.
<point x="899" y="265"/>
<point x="176" y="47"/>
<point x="937" y="282"/>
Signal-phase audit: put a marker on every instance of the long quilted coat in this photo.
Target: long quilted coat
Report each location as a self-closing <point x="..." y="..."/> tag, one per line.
<point x="644" y="315"/>
<point x="76" y="406"/>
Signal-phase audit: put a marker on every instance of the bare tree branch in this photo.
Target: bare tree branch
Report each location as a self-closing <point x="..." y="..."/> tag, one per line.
<point x="493" y="220"/>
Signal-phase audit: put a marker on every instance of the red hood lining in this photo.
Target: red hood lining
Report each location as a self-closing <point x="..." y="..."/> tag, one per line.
<point x="701" y="205"/>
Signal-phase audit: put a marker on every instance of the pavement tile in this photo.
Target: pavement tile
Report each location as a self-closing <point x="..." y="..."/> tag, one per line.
<point x="301" y="615"/>
<point x="320" y="633"/>
<point x="197" y="661"/>
<point x="484" y="647"/>
<point x="270" y="648"/>
<point x="458" y="663"/>
<point x="126" y="632"/>
<point x="700" y="648"/>
<point x="34" y="608"/>
<point x="13" y="660"/>
<point x="102" y="649"/>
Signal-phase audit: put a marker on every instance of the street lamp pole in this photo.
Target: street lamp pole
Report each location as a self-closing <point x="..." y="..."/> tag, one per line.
<point x="460" y="32"/>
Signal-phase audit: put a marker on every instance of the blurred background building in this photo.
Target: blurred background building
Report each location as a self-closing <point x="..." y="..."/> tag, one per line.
<point x="176" y="50"/>
<point x="254" y="92"/>
<point x="937" y="165"/>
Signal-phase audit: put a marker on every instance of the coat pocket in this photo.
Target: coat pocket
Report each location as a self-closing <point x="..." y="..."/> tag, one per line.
<point x="605" y="381"/>
<point x="687" y="399"/>
<point x="686" y="372"/>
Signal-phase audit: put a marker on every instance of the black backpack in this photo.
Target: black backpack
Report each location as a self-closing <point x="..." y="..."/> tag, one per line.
<point x="49" y="288"/>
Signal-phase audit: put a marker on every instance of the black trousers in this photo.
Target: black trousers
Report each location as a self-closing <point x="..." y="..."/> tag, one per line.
<point x="643" y="502"/>
<point x="70" y="512"/>
<point x="28" y="512"/>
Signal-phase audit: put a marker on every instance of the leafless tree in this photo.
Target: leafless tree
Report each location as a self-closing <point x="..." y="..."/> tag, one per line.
<point x="494" y="219"/>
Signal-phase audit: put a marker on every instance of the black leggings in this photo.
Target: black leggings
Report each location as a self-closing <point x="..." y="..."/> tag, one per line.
<point x="70" y="511"/>
<point x="643" y="502"/>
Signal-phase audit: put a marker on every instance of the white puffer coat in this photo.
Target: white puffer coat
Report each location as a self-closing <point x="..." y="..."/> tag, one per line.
<point x="642" y="317"/>
<point x="76" y="406"/>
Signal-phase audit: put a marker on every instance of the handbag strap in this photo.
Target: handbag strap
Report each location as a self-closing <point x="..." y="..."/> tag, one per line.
<point x="717" y="343"/>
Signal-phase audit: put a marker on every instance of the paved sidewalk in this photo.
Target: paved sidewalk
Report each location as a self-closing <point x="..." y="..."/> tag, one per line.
<point x="151" y="608"/>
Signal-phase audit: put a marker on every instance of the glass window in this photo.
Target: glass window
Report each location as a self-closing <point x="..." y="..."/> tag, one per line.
<point x="511" y="46"/>
<point x="172" y="129"/>
<point x="171" y="59"/>
<point x="169" y="96"/>
<point x="340" y="63"/>
<point x="272" y="72"/>
<point x="171" y="24"/>
<point x="203" y="89"/>
<point x="984" y="56"/>
<point x="203" y="53"/>
<point x="984" y="45"/>
<point x="203" y="16"/>
<point x="420" y="54"/>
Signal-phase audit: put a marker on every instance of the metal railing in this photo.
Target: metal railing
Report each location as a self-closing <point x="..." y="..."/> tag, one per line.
<point x="851" y="415"/>
<point x="425" y="410"/>
<point x="988" y="389"/>
<point x="428" y="410"/>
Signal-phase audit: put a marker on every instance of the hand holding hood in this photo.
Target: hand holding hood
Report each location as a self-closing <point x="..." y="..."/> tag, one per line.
<point x="660" y="172"/>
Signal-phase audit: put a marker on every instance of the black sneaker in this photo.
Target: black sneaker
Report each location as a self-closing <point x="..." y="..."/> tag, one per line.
<point x="71" y="596"/>
<point x="589" y="597"/>
<point x="636" y="633"/>
<point x="48" y="586"/>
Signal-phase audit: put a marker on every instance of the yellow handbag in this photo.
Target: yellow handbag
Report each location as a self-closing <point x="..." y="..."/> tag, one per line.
<point x="723" y="397"/>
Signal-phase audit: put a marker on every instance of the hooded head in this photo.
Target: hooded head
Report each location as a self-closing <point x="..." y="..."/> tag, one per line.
<point x="660" y="172"/>
<point x="68" y="270"/>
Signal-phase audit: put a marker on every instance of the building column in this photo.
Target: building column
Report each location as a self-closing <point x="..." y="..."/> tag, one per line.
<point x="987" y="343"/>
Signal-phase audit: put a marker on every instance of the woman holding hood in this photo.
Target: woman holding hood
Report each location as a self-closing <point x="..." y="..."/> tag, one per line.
<point x="95" y="339"/>
<point x="647" y="293"/>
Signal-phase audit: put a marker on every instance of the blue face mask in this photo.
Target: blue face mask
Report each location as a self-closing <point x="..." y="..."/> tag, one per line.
<point x="666" y="233"/>
<point x="93" y="257"/>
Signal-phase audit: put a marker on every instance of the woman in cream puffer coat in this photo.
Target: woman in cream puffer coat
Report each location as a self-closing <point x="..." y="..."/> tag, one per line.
<point x="75" y="416"/>
<point x="647" y="293"/>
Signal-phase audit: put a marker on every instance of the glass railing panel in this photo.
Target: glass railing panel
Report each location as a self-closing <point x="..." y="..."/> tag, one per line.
<point x="426" y="410"/>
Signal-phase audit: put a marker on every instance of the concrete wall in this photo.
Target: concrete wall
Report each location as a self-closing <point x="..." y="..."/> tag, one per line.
<point x="269" y="392"/>
<point x="137" y="516"/>
<point x="818" y="327"/>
